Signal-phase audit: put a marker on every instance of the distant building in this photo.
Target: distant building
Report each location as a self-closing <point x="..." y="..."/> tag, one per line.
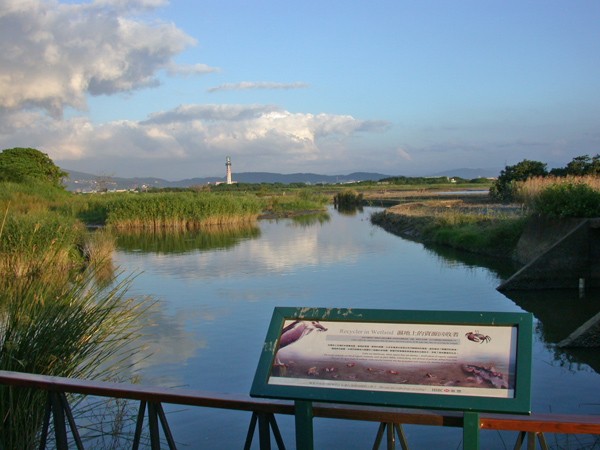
<point x="228" y="166"/>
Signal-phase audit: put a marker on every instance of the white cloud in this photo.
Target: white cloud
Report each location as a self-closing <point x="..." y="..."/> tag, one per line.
<point x="53" y="54"/>
<point x="188" y="137"/>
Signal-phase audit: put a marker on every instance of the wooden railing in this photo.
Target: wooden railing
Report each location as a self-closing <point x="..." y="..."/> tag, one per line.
<point x="528" y="428"/>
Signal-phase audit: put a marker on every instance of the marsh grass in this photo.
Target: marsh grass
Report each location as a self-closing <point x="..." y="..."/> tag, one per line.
<point x="528" y="191"/>
<point x="55" y="318"/>
<point x="38" y="244"/>
<point x="302" y="200"/>
<point x="484" y="228"/>
<point x="72" y="329"/>
<point x="183" y="211"/>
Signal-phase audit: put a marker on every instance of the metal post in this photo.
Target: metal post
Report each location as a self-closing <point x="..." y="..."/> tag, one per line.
<point x="153" y="425"/>
<point x="139" y="425"/>
<point x="471" y="431"/>
<point x="304" y="425"/>
<point x="60" y="428"/>
<point x="264" y="435"/>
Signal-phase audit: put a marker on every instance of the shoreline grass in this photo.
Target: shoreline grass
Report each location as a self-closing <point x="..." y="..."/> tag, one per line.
<point x="471" y="226"/>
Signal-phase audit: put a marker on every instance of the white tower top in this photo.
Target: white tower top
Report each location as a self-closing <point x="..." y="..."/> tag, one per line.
<point x="228" y="166"/>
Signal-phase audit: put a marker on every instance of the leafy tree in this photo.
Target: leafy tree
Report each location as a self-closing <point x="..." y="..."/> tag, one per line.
<point x="584" y="165"/>
<point x="502" y="189"/>
<point x="21" y="164"/>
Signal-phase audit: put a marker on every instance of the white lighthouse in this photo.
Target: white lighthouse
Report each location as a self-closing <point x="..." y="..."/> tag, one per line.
<point x="228" y="166"/>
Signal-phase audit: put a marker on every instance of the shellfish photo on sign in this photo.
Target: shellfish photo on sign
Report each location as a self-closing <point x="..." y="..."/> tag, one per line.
<point x="438" y="359"/>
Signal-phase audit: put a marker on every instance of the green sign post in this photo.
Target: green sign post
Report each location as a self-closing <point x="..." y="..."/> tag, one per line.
<point x="468" y="361"/>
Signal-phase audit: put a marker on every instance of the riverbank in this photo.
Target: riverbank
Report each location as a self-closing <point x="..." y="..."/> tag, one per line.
<point x="472" y="223"/>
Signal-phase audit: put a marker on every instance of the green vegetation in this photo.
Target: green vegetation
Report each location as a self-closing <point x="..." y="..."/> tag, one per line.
<point x="24" y="164"/>
<point x="55" y="321"/>
<point x="178" y="210"/>
<point x="513" y="182"/>
<point x="466" y="225"/>
<point x="347" y="199"/>
<point x="305" y="200"/>
<point x="496" y="237"/>
<point x="503" y="188"/>
<point x="568" y="200"/>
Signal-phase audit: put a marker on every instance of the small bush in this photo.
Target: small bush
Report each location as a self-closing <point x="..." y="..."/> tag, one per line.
<point x="568" y="200"/>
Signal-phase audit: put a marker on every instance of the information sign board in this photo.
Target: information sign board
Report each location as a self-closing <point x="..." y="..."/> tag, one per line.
<point x="470" y="361"/>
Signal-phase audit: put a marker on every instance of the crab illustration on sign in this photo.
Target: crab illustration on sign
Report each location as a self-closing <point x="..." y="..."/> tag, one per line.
<point x="475" y="336"/>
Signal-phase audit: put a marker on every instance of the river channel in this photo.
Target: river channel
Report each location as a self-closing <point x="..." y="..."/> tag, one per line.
<point x="215" y="295"/>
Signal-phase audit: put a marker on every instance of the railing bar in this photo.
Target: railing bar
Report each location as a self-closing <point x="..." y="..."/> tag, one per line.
<point x="542" y="441"/>
<point x="276" y="432"/>
<point x="251" y="429"/>
<point x="165" y="426"/>
<point x="69" y="413"/>
<point x="139" y="423"/>
<point x="549" y="423"/>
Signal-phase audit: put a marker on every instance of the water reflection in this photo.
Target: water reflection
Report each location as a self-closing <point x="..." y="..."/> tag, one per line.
<point x="216" y="237"/>
<point x="560" y="312"/>
<point x="503" y="268"/>
<point x="307" y="220"/>
<point x="349" y="210"/>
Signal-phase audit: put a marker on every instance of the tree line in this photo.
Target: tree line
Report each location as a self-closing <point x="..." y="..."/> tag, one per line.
<point x="502" y="189"/>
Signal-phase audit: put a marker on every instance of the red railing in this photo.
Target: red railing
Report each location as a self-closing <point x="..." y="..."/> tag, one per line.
<point x="151" y="399"/>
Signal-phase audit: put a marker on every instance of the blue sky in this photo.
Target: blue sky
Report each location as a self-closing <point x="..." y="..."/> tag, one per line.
<point x="169" y="89"/>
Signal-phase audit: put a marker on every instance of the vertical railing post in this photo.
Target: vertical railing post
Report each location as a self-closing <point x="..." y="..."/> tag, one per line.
<point x="58" y="417"/>
<point x="139" y="424"/>
<point x="471" y="431"/>
<point x="304" y="425"/>
<point x="266" y="423"/>
<point x="153" y="426"/>
<point x="264" y="434"/>
<point x="57" y="408"/>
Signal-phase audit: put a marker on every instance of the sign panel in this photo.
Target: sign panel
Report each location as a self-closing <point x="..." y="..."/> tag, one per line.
<point x="454" y="360"/>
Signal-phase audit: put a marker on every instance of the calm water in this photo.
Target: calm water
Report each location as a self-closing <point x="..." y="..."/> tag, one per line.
<point x="216" y="294"/>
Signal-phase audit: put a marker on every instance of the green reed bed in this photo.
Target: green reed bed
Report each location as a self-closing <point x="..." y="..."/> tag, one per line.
<point x="184" y="210"/>
<point x="39" y="243"/>
<point x="492" y="236"/>
<point x="301" y="201"/>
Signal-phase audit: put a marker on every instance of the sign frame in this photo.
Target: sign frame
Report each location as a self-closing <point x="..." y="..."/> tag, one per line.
<point x="519" y="402"/>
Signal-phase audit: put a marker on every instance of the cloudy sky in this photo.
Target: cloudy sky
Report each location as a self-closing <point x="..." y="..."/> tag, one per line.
<point x="401" y="87"/>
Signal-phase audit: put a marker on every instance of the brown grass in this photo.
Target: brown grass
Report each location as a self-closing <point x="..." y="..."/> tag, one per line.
<point x="527" y="191"/>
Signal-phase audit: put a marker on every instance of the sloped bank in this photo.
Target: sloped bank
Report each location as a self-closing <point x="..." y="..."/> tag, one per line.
<point x="468" y="225"/>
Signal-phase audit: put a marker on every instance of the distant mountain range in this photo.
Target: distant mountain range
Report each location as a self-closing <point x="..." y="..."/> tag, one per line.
<point x="85" y="182"/>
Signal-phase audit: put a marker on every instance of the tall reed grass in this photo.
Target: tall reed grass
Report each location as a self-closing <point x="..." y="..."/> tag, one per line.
<point x="528" y="191"/>
<point x="302" y="200"/>
<point x="38" y="244"/>
<point x="184" y="210"/>
<point x="73" y="329"/>
<point x="55" y="317"/>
